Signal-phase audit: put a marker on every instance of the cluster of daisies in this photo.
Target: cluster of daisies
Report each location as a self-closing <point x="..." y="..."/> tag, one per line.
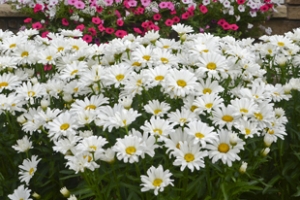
<point x="201" y="96"/>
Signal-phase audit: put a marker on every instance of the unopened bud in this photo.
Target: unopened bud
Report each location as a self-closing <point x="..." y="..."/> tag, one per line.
<point x="243" y="167"/>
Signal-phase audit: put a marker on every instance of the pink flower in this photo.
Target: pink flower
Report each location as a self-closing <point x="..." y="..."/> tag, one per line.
<point x="117" y="13"/>
<point x="163" y="5"/>
<point x="92" y="31"/>
<point x="72" y="2"/>
<point x="203" y="9"/>
<point x="156" y="16"/>
<point x="79" y="5"/>
<point x="37" y="8"/>
<point x="176" y="19"/>
<point x="139" y="11"/>
<point x="170" y="6"/>
<point x="44" y="34"/>
<point x="109" y="2"/>
<point x="64" y="22"/>
<point x="169" y="22"/>
<point x="96" y="20"/>
<point x="145" y="24"/>
<point x="132" y="3"/>
<point x="27" y="20"/>
<point x="240" y="1"/>
<point x="37" y="25"/>
<point x="120" y="22"/>
<point x="99" y="9"/>
<point x="221" y="22"/>
<point x="264" y="8"/>
<point x="137" y="30"/>
<point x="145" y="3"/>
<point x="87" y="38"/>
<point x="185" y="15"/>
<point x="226" y="26"/>
<point x="101" y="28"/>
<point x="80" y="27"/>
<point x="120" y="33"/>
<point x="234" y="27"/>
<point x="47" y="67"/>
<point x="109" y="30"/>
<point x="173" y="12"/>
<point x="154" y="27"/>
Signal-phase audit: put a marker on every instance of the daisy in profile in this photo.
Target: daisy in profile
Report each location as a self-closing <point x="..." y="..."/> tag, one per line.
<point x="93" y="144"/>
<point x="157" y="179"/>
<point x="180" y="83"/>
<point x="72" y="70"/>
<point x="189" y="155"/>
<point x="129" y="148"/>
<point x="248" y="128"/>
<point x="201" y="132"/>
<point x="66" y="145"/>
<point x="157" y="108"/>
<point x="79" y="162"/>
<point x="209" y="86"/>
<point x="28" y="168"/>
<point x="23" y="144"/>
<point x="20" y="193"/>
<point x="182" y="29"/>
<point x="182" y="117"/>
<point x="158" y="127"/>
<point x="224" y="149"/>
<point x="213" y="64"/>
<point x="92" y="103"/>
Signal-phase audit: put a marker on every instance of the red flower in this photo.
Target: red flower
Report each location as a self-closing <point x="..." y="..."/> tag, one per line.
<point x="169" y="22"/>
<point x="96" y="20"/>
<point x="145" y="24"/>
<point x="64" y="22"/>
<point x="27" y="20"/>
<point x="264" y="8"/>
<point x="37" y="25"/>
<point x="234" y="27"/>
<point x="109" y="30"/>
<point x="137" y="30"/>
<point x="87" y="38"/>
<point x="99" y="9"/>
<point x="221" y="22"/>
<point x="101" y="28"/>
<point x="44" y="34"/>
<point x="185" y="15"/>
<point x="240" y="1"/>
<point x="47" y="67"/>
<point x="120" y="33"/>
<point x="226" y="26"/>
<point x="156" y="16"/>
<point x="37" y="8"/>
<point x="153" y="27"/>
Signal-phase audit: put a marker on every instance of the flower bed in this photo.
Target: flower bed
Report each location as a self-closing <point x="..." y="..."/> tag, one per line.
<point x="138" y="115"/>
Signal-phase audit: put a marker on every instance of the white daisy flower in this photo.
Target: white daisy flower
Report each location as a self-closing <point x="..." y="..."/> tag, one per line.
<point x="28" y="169"/>
<point x="8" y="81"/>
<point x="182" y="117"/>
<point x="223" y="150"/>
<point x="209" y="87"/>
<point x="158" y="127"/>
<point x="81" y="161"/>
<point x="129" y="148"/>
<point x="23" y="144"/>
<point x="189" y="155"/>
<point x="224" y="116"/>
<point x="20" y="193"/>
<point x="156" y="76"/>
<point x="93" y="144"/>
<point x="92" y="103"/>
<point x="157" y="108"/>
<point x="208" y="102"/>
<point x="157" y="179"/>
<point x="201" y="132"/>
<point x="30" y="92"/>
<point x="116" y="75"/>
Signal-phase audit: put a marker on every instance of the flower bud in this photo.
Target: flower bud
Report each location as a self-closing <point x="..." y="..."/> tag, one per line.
<point x="268" y="140"/>
<point x="233" y="139"/>
<point x="243" y="167"/>
<point x="65" y="192"/>
<point x="265" y="151"/>
<point x="36" y="195"/>
<point x="45" y="103"/>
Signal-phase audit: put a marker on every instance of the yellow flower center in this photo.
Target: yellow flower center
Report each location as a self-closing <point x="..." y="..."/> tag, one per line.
<point x="178" y="145"/>
<point x="31" y="171"/>
<point x="146" y="57"/>
<point x="31" y="93"/>
<point x="157" y="130"/>
<point x="139" y="82"/>
<point x="75" y="89"/>
<point x="130" y="150"/>
<point x="182" y="120"/>
<point x="244" y="110"/>
<point x="93" y="147"/>
<point x="159" y="78"/>
<point x="281" y="44"/>
<point x="181" y="83"/>
<point x="136" y="64"/>
<point x="164" y="60"/>
<point x="199" y="135"/>
<point x="90" y="107"/>
<point x="227" y="118"/>
<point x="3" y="84"/>
<point x="60" y="49"/>
<point x="24" y="54"/>
<point x="49" y="58"/>
<point x="258" y="116"/>
<point x="211" y="66"/>
<point x="156" y="111"/>
<point x="223" y="148"/>
<point x="64" y="126"/>
<point x="271" y="131"/>
<point x="247" y="131"/>
<point x="75" y="47"/>
<point x="89" y="158"/>
<point x="209" y="105"/>
<point x="193" y="108"/>
<point x="207" y="91"/>
<point x="157" y="182"/>
<point x="120" y="77"/>
<point x="205" y="50"/>
<point x="74" y="72"/>
<point x="189" y="157"/>
<point x="166" y="46"/>
<point x="124" y="122"/>
<point x="12" y="46"/>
